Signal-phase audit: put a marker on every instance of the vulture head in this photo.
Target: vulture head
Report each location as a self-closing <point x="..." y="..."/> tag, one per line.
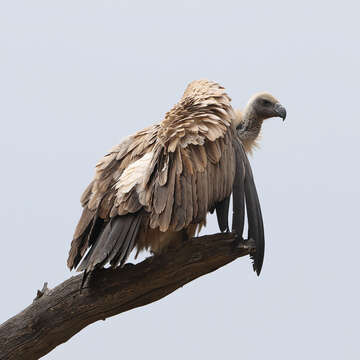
<point x="265" y="106"/>
<point x="248" y="122"/>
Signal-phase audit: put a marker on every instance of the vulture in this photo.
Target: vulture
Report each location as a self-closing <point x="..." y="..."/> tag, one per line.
<point x="157" y="186"/>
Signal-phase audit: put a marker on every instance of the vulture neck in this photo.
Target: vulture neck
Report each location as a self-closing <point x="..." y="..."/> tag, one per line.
<point x="248" y="125"/>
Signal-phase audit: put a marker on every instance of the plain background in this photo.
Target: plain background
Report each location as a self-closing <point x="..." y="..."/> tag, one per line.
<point x="78" y="76"/>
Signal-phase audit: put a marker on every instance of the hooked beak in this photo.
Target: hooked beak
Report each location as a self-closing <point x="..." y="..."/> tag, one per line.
<point x="280" y="111"/>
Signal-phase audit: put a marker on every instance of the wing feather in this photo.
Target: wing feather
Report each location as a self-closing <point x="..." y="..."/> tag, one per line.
<point x="244" y="192"/>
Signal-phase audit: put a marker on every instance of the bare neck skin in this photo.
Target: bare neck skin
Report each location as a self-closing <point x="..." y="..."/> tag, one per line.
<point x="248" y="125"/>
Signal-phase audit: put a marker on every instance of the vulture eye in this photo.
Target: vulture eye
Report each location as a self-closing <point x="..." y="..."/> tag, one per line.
<point x="266" y="102"/>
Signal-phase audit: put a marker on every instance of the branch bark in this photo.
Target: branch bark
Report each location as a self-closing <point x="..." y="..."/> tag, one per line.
<point x="57" y="314"/>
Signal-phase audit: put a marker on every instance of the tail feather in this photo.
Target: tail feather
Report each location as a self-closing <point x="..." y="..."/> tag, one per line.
<point x="114" y="243"/>
<point x="84" y="236"/>
<point x="119" y="256"/>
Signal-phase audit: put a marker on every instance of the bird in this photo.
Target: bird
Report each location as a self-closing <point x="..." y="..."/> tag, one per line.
<point x="158" y="185"/>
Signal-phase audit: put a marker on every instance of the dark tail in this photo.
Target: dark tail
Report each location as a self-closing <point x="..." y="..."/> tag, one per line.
<point x="114" y="243"/>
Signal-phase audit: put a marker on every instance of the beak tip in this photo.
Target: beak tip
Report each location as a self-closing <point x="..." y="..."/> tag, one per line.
<point x="281" y="111"/>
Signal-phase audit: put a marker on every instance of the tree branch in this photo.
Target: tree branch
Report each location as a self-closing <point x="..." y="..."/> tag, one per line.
<point x="57" y="314"/>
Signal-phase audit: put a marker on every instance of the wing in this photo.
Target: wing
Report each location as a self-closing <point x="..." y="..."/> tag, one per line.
<point x="99" y="198"/>
<point x="195" y="167"/>
<point x="166" y="177"/>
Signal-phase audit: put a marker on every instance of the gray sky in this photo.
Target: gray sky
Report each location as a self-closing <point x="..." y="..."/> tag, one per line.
<point x="78" y="76"/>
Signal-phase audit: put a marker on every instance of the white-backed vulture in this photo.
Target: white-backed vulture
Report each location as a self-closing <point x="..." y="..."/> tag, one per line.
<point x="158" y="185"/>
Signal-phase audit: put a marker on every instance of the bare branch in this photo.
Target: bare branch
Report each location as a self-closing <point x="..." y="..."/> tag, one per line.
<point x="57" y="314"/>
